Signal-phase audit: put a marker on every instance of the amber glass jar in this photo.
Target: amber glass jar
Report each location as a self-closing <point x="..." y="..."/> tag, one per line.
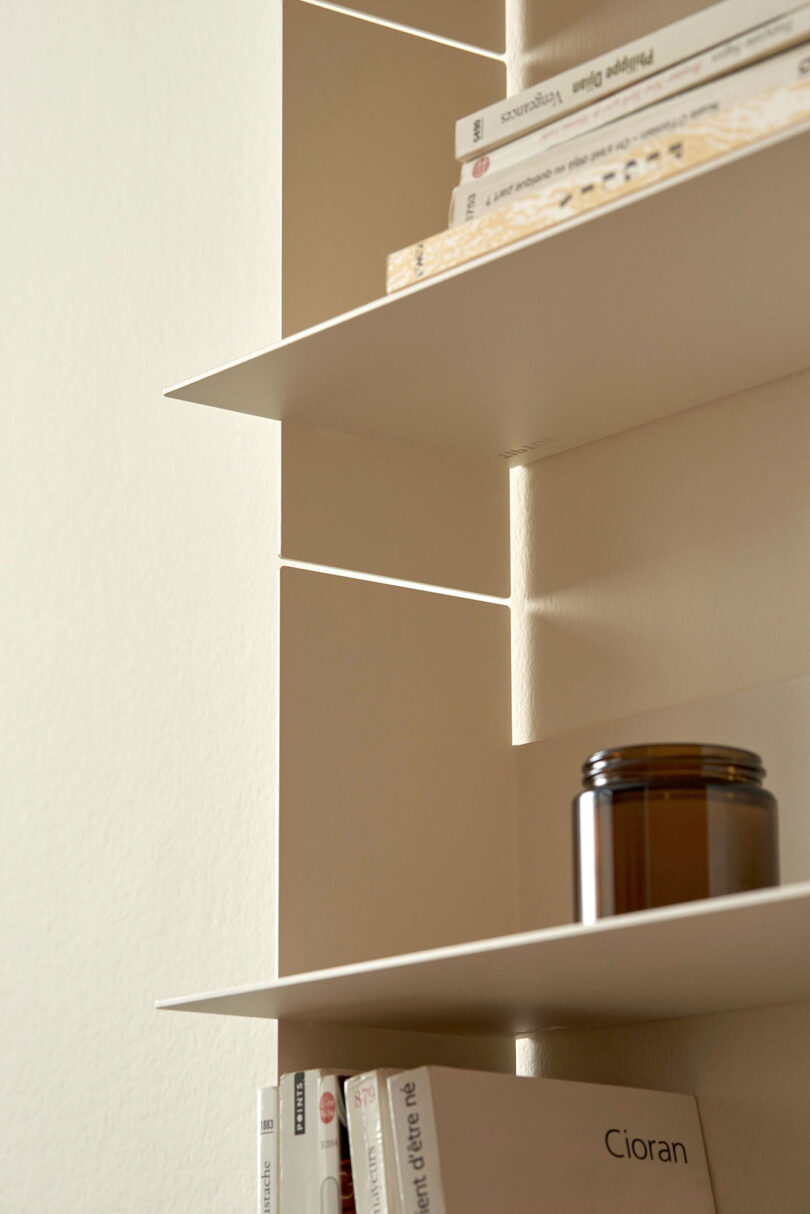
<point x="671" y="823"/>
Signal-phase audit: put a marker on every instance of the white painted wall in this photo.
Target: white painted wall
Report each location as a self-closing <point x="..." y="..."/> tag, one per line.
<point x="139" y="246"/>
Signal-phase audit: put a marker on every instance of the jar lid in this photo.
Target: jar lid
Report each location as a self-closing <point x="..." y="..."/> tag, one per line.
<point x="676" y="762"/>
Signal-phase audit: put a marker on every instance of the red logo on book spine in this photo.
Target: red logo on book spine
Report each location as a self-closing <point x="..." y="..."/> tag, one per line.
<point x="327" y="1107"/>
<point x="481" y="165"/>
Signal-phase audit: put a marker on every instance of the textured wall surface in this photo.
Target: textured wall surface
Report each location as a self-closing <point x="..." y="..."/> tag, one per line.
<point x="139" y="246"/>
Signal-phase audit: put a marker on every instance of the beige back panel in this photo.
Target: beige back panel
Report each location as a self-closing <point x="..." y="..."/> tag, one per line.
<point x="395" y="511"/>
<point x="368" y="163"/>
<point x="301" y="1046"/>
<point x="397" y="809"/>
<point x="478" y="24"/>
<point x="668" y="564"/>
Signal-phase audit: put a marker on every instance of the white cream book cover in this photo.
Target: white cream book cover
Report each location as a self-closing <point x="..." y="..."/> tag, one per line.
<point x="664" y="119"/>
<point x="372" y="1144"/>
<point x="470" y="1142"/>
<point x="267" y="1111"/>
<point x="741" y="125"/>
<point x="606" y="74"/>
<point x="729" y="56"/>
<point x="300" y="1142"/>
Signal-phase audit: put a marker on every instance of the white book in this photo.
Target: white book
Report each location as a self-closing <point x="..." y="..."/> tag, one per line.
<point x="468" y="1142"/>
<point x="763" y="40"/>
<point x="268" y="1150"/>
<point x="773" y="115"/>
<point x="372" y="1143"/>
<point x="570" y="90"/>
<point x="300" y="1142"/>
<point x="336" y="1183"/>
<point x="667" y="118"/>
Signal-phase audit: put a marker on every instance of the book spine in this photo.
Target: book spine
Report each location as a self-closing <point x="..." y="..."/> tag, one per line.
<point x="608" y="73"/>
<point x="299" y="1150"/>
<point x="268" y="1150"/>
<point x="363" y="1097"/>
<point x="335" y="1170"/>
<point x="415" y="1144"/>
<point x="388" y="1155"/>
<point x="740" y="126"/>
<point x="667" y="117"/>
<point x="729" y="56"/>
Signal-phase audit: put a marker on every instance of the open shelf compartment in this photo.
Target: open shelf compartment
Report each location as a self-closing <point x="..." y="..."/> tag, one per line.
<point x="746" y="950"/>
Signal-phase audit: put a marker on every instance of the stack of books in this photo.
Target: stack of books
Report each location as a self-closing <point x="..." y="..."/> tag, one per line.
<point x="304" y="1165"/>
<point x="438" y="1140"/>
<point x="692" y="93"/>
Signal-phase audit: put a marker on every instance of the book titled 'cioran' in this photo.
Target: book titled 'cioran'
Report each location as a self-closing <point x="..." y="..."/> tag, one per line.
<point x="468" y="1142"/>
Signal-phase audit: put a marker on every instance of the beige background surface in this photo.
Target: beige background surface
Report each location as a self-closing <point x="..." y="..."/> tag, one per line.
<point x="394" y="511"/>
<point x="397" y="808"/>
<point x="141" y="244"/>
<point x="667" y="564"/>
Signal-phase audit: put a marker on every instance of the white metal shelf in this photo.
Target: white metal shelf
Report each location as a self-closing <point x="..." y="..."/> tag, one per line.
<point x="747" y="950"/>
<point x="683" y="294"/>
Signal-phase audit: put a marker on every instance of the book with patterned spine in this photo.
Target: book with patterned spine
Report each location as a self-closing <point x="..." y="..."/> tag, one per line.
<point x="737" y="128"/>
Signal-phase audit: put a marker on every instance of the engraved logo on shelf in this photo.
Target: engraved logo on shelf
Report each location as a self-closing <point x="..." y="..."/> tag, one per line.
<point x="513" y="452"/>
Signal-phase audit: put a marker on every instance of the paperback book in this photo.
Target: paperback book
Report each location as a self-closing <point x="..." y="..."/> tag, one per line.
<point x="606" y="74"/>
<point x="372" y="1143"/>
<point x="477" y="1142"/>
<point x="740" y="126"/>
<point x="300" y="1142"/>
<point x="665" y="118"/>
<point x="337" y="1186"/>
<point x="729" y="56"/>
<point x="268" y="1150"/>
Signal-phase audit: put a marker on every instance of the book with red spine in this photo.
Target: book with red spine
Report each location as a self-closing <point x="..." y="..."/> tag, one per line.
<point x="336" y="1181"/>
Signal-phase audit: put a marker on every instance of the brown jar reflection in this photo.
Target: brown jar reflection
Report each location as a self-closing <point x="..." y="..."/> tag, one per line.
<point x="669" y="823"/>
